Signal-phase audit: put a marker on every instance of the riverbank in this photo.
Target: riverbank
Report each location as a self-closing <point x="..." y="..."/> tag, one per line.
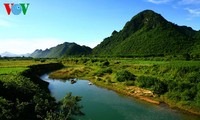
<point x="23" y="95"/>
<point x="105" y="76"/>
<point x="35" y="71"/>
<point x="110" y="104"/>
<point x="136" y="92"/>
<point x="82" y="73"/>
<point x="147" y="96"/>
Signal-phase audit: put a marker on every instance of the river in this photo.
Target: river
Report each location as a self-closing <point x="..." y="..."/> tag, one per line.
<point x="103" y="104"/>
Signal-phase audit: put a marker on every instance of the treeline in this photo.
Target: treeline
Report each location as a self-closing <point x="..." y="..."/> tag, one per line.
<point x="25" y="97"/>
<point x="165" y="57"/>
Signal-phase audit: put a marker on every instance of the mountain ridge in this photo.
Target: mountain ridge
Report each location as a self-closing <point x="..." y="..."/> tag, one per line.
<point x="62" y="50"/>
<point x="148" y="34"/>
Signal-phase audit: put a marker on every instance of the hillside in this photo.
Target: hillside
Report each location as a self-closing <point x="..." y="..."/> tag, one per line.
<point x="149" y="34"/>
<point x="62" y="50"/>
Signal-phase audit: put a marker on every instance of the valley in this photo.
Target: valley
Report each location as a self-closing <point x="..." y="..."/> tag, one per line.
<point x="174" y="83"/>
<point x="150" y="60"/>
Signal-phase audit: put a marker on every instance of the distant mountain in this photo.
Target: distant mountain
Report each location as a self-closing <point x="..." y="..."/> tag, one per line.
<point x="8" y="54"/>
<point x="147" y="34"/>
<point x="62" y="50"/>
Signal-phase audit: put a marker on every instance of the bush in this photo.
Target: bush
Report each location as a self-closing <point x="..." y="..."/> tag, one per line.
<point x="6" y="109"/>
<point x="108" y="70"/>
<point x="101" y="72"/>
<point x="152" y="83"/>
<point x="125" y="75"/>
<point x="146" y="81"/>
<point x="106" y="64"/>
<point x="42" y="60"/>
<point x="130" y="83"/>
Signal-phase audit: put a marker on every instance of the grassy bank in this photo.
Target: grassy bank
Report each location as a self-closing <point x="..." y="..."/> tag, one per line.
<point x="176" y="83"/>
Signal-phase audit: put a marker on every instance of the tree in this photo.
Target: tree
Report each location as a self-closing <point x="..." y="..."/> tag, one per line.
<point x="69" y="106"/>
<point x="125" y="75"/>
<point x="186" y="56"/>
<point x="114" y="32"/>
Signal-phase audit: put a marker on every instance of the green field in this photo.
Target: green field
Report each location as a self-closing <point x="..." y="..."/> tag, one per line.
<point x="11" y="66"/>
<point x="12" y="70"/>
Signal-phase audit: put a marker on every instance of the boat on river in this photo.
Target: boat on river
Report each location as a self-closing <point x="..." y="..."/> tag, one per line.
<point x="73" y="81"/>
<point x="90" y="83"/>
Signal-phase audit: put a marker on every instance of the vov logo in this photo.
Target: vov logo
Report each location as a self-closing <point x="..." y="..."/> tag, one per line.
<point x="16" y="9"/>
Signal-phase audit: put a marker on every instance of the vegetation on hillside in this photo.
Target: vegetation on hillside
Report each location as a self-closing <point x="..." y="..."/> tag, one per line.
<point x="62" y="50"/>
<point x="149" y="34"/>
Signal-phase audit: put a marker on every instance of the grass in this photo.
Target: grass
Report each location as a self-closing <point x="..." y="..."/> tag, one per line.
<point x="13" y="66"/>
<point x="178" y="64"/>
<point x="21" y="63"/>
<point x="12" y="70"/>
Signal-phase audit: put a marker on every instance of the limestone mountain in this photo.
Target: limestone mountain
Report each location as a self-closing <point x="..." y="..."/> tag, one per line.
<point x="150" y="34"/>
<point x="62" y="50"/>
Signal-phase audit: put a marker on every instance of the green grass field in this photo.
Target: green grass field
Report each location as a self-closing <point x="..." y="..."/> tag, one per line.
<point x="12" y="70"/>
<point x="13" y="66"/>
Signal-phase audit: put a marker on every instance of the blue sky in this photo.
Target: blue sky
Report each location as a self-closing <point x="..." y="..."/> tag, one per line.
<point x="86" y="22"/>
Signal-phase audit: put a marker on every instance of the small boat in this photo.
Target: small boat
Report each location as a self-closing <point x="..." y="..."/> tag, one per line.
<point x="90" y="83"/>
<point x="73" y="81"/>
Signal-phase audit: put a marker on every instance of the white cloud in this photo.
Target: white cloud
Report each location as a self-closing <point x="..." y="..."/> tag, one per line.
<point x="194" y="12"/>
<point x="159" y="1"/>
<point x="22" y="46"/>
<point x="188" y="2"/>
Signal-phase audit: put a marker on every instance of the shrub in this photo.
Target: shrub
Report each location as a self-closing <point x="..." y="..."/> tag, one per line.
<point x="152" y="83"/>
<point x="106" y="64"/>
<point x="42" y="60"/>
<point x="146" y="81"/>
<point x="130" y="83"/>
<point x="101" y="72"/>
<point x="108" y="70"/>
<point x="125" y="75"/>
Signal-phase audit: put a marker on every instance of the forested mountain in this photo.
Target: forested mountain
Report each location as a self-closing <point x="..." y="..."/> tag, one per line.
<point x="146" y="34"/>
<point x="149" y="34"/>
<point x="62" y="50"/>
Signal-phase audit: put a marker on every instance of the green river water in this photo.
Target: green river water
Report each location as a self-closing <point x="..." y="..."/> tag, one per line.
<point x="104" y="104"/>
